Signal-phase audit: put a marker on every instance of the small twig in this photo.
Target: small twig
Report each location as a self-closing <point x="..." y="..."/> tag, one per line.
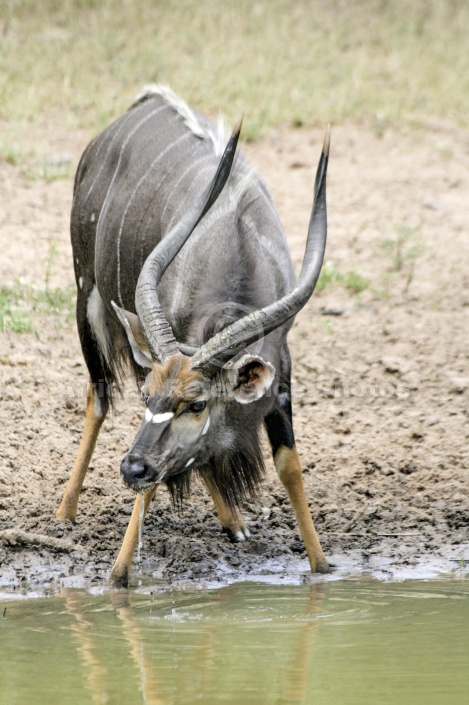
<point x="410" y="277"/>
<point x="369" y="534"/>
<point x="422" y="514"/>
<point x="353" y="521"/>
<point x="14" y="536"/>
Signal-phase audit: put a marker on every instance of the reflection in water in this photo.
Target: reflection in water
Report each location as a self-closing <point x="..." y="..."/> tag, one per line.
<point x="148" y="682"/>
<point x="83" y="631"/>
<point x="335" y="642"/>
<point x="86" y="639"/>
<point x="292" y="685"/>
<point x="296" y="675"/>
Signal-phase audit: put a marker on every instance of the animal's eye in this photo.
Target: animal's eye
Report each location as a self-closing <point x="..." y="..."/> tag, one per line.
<point x="145" y="398"/>
<point x="197" y="406"/>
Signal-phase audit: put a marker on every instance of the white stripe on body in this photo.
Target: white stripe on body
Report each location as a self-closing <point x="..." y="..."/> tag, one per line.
<point x="124" y="145"/>
<point x="174" y="188"/>
<point x="116" y="127"/>
<point x="134" y="193"/>
<point x="176" y="215"/>
<point x="279" y="256"/>
<point x="180" y="285"/>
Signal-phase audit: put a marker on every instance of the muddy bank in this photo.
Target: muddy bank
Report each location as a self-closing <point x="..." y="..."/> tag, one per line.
<point x="381" y="379"/>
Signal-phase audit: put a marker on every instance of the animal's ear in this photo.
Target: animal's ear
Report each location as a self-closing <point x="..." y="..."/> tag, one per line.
<point x="134" y="330"/>
<point x="251" y="378"/>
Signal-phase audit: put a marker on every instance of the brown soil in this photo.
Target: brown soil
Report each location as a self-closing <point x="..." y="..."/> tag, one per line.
<point x="381" y="380"/>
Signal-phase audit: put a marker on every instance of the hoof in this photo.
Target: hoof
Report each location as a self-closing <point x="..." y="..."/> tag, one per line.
<point x="64" y="515"/>
<point x="237" y="535"/>
<point x="323" y="567"/>
<point x="119" y="579"/>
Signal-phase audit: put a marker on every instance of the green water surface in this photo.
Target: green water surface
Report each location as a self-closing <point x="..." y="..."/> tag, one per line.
<point x="340" y="643"/>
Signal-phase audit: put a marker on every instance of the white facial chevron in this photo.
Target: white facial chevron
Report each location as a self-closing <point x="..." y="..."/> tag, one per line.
<point x="158" y="418"/>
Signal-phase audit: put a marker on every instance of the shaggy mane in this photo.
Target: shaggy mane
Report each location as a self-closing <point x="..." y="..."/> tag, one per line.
<point x="218" y="134"/>
<point x="236" y="474"/>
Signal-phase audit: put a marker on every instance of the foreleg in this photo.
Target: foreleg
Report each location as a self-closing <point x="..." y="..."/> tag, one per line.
<point x="288" y="466"/>
<point x="121" y="569"/>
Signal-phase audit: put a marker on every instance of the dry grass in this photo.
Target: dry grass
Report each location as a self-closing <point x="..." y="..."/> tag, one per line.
<point x="78" y="63"/>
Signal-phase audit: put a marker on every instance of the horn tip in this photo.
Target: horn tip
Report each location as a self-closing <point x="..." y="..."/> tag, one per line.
<point x="327" y="141"/>
<point x="237" y="127"/>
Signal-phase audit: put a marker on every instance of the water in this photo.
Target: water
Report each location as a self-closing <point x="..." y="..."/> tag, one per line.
<point x="341" y="643"/>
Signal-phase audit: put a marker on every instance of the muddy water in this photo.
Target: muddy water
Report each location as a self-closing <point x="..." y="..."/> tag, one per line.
<point x="340" y="643"/>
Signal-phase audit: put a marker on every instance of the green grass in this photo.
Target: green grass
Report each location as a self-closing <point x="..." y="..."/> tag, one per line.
<point x="323" y="325"/>
<point x="79" y="63"/>
<point x="354" y="282"/>
<point x="30" y="165"/>
<point x="397" y="253"/>
<point x="47" y="172"/>
<point x="328" y="277"/>
<point x="401" y="250"/>
<point x="13" y="317"/>
<point x="22" y="305"/>
<point x="351" y="280"/>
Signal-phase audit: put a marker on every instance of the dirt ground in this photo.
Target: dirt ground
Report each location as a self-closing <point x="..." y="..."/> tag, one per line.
<point x="381" y="380"/>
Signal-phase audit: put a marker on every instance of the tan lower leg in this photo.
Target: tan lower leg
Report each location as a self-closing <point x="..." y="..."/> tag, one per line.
<point x="121" y="569"/>
<point x="94" y="418"/>
<point x="230" y="519"/>
<point x="288" y="467"/>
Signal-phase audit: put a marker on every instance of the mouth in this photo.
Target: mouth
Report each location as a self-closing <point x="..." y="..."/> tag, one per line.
<point x="139" y="486"/>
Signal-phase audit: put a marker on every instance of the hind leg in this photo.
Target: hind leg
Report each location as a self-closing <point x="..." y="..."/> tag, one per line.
<point x="97" y="405"/>
<point x="94" y="418"/>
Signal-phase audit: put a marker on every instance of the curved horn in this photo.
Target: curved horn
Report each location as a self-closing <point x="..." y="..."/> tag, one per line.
<point x="228" y="342"/>
<point x="157" y="330"/>
<point x="318" y="220"/>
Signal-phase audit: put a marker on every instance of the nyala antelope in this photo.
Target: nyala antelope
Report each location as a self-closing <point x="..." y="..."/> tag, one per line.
<point x="184" y="276"/>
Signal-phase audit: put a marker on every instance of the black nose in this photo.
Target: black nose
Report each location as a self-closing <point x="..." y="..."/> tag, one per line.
<point x="136" y="472"/>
